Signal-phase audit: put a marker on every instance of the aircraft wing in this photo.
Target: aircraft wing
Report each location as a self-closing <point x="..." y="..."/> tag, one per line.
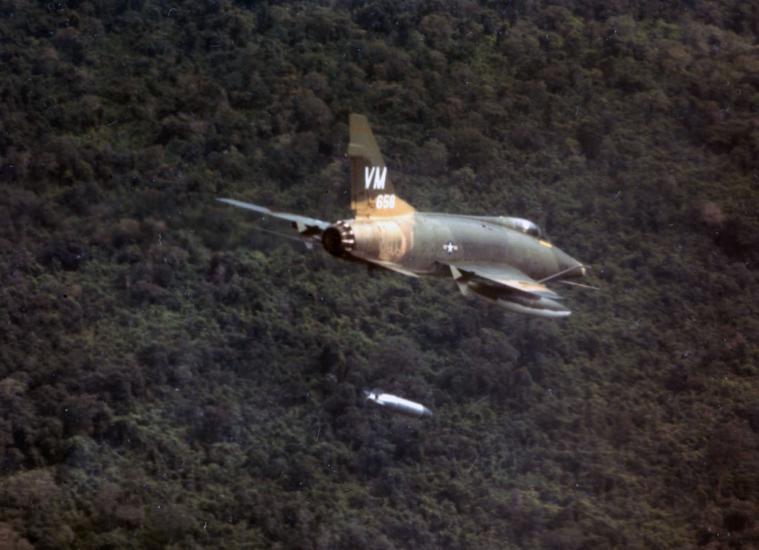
<point x="303" y="224"/>
<point x="504" y="275"/>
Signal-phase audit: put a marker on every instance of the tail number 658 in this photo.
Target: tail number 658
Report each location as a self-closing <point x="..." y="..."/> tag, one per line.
<point x="384" y="201"/>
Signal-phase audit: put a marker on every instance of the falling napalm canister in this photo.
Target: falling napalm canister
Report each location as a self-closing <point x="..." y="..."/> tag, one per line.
<point x="397" y="404"/>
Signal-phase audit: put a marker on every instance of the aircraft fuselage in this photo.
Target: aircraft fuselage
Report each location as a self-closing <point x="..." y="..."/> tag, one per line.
<point x="424" y="243"/>
<point x="503" y="259"/>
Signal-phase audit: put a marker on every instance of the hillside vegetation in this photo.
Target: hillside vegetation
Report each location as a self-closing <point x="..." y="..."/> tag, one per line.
<point x="170" y="377"/>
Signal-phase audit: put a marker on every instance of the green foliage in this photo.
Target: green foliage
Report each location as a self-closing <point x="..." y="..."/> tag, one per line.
<point x="171" y="377"/>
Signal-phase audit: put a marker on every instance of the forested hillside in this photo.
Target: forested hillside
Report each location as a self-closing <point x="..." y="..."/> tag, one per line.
<point x="170" y="377"/>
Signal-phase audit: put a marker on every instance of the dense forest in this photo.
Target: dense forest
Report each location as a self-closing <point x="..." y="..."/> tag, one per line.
<point x="171" y="377"/>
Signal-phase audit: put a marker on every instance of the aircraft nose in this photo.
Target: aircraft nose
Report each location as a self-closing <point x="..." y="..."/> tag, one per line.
<point x="572" y="267"/>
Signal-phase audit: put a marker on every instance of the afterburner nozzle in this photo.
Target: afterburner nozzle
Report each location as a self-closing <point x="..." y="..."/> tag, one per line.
<point x="338" y="239"/>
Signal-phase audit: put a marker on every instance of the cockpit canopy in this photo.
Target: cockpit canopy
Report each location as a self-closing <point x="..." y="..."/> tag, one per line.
<point x="520" y="224"/>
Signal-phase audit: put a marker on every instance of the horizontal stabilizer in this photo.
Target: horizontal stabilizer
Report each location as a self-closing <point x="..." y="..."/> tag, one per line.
<point x="303" y="224"/>
<point x="392" y="267"/>
<point x="307" y="240"/>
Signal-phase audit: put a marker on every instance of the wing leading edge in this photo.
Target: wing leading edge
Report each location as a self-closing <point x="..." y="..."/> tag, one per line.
<point x="507" y="276"/>
<point x="303" y="224"/>
<point x="509" y="288"/>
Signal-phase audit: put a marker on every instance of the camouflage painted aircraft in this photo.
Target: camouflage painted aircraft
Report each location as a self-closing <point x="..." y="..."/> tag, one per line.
<point x="502" y="259"/>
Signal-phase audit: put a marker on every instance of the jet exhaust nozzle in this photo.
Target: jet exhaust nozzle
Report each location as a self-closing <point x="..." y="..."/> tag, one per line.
<point x="338" y="239"/>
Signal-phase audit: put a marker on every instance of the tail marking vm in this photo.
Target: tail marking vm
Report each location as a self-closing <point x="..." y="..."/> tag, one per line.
<point x="374" y="177"/>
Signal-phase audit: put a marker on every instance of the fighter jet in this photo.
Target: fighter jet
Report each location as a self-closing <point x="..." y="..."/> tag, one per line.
<point x="505" y="260"/>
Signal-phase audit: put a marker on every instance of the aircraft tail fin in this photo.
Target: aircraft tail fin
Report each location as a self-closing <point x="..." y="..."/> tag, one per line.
<point x="372" y="191"/>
